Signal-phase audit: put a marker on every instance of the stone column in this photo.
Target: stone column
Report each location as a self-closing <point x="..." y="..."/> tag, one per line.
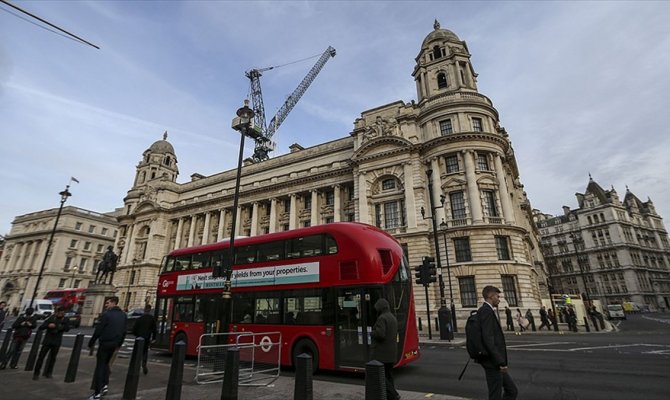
<point x="191" y="231"/>
<point x="24" y="251"/>
<point x="238" y="221"/>
<point x="273" y="215"/>
<point x="293" y="215"/>
<point x="337" y="204"/>
<point x="222" y="225"/>
<point x="180" y="226"/>
<point x="130" y="245"/>
<point x="205" y="229"/>
<point x="254" y="219"/>
<point x="505" y="201"/>
<point x="314" y="212"/>
<point x="410" y="201"/>
<point x="473" y="189"/>
<point x="437" y="190"/>
<point x="364" y="213"/>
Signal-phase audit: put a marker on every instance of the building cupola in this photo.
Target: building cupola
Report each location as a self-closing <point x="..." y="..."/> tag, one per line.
<point x="158" y="162"/>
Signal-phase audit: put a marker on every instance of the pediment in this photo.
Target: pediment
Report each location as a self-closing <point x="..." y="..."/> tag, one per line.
<point x="380" y="146"/>
<point x="145" y="207"/>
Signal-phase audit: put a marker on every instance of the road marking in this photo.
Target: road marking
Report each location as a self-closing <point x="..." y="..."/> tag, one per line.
<point x="516" y="346"/>
<point x="664" y="321"/>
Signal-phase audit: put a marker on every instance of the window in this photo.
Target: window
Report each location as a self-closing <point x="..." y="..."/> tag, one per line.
<point x="445" y="127"/>
<point x="76" y="283"/>
<point x="132" y="277"/>
<point x="287" y="205"/>
<point x="82" y="264"/>
<point x="477" y="124"/>
<point x="306" y="224"/>
<point x="509" y="290"/>
<point x="490" y="203"/>
<point x="73" y="244"/>
<point x="61" y="283"/>
<point x="502" y="247"/>
<point x="330" y="198"/>
<point x="388" y="184"/>
<point x="77" y="226"/>
<point x="462" y="246"/>
<point x="87" y="246"/>
<point x="468" y="291"/>
<point x="91" y="229"/>
<point x="308" y="201"/>
<point x="392" y="215"/>
<point x="330" y="220"/>
<point x="68" y="263"/>
<point x="457" y="205"/>
<point x="482" y="162"/>
<point x="452" y="164"/>
<point x="100" y="248"/>
<point x="442" y="80"/>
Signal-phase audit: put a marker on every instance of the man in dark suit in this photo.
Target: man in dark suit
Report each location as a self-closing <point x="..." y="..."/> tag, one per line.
<point x="499" y="382"/>
<point x="385" y="344"/>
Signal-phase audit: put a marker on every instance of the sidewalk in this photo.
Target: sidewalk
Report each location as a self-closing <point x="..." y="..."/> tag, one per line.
<point x="18" y="384"/>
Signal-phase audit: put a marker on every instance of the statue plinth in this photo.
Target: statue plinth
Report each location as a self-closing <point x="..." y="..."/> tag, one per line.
<point x="95" y="302"/>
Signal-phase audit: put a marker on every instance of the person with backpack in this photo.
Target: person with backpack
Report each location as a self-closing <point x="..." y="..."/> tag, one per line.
<point x="23" y="328"/>
<point x="493" y="355"/>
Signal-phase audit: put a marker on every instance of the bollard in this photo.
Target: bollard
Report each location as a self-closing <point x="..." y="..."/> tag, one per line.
<point x="34" y="349"/>
<point x="5" y="345"/>
<point x="176" y="372"/>
<point x="586" y="325"/>
<point x="73" y="365"/>
<point x="133" y="376"/>
<point x="303" y="388"/>
<point x="231" y="374"/>
<point x="437" y="325"/>
<point x="375" y="381"/>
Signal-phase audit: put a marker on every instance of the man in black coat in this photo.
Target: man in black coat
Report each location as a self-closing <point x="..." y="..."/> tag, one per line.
<point x="498" y="379"/>
<point x="385" y="344"/>
<point x="55" y="325"/>
<point x="23" y="328"/>
<point x="145" y="327"/>
<point x="111" y="331"/>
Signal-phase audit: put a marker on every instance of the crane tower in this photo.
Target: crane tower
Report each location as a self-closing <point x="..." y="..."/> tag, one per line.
<point x="264" y="144"/>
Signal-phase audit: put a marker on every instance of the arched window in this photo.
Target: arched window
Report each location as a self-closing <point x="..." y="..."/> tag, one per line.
<point x="437" y="52"/>
<point x="442" y="80"/>
<point x="167" y="160"/>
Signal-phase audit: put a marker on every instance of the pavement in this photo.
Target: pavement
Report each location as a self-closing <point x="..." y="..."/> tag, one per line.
<point x="19" y="385"/>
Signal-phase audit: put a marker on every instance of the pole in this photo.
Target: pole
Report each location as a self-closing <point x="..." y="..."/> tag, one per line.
<point x="436" y="242"/>
<point x="430" y="330"/>
<point x="132" y="269"/>
<point x="451" y="291"/>
<point x="63" y="198"/>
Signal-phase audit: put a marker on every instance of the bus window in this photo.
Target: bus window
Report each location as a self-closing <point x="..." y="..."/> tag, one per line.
<point x="271" y="251"/>
<point x="168" y="265"/>
<point x="183" y="309"/>
<point x="243" y="307"/>
<point x="182" y="263"/>
<point x="308" y="307"/>
<point x="267" y="309"/>
<point x="200" y="260"/>
<point x="331" y="245"/>
<point x="245" y="254"/>
<point x="306" y="246"/>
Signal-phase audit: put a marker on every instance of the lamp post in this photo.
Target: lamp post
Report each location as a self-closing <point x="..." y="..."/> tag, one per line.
<point x="443" y="227"/>
<point x="130" y="279"/>
<point x="63" y="198"/>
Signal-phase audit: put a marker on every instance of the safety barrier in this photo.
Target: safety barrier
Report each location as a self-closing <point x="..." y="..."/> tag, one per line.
<point x="259" y="357"/>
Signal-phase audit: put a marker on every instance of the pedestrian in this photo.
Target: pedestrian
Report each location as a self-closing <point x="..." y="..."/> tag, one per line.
<point x="552" y="318"/>
<point x="508" y="319"/>
<point x="3" y="313"/>
<point x="23" y="328"/>
<point x="55" y="325"/>
<point x="530" y="319"/>
<point x="498" y="380"/>
<point x="571" y="316"/>
<point x="145" y="327"/>
<point x="521" y="321"/>
<point x="385" y="344"/>
<point x="544" y="318"/>
<point x="111" y="332"/>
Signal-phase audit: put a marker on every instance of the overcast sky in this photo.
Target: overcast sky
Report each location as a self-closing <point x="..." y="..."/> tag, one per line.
<point x="581" y="87"/>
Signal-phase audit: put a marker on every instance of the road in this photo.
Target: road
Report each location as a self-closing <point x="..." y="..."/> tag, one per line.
<point x="632" y="363"/>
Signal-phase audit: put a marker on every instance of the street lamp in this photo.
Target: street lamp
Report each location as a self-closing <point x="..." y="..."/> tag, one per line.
<point x="130" y="279"/>
<point x="443" y="227"/>
<point x="63" y="198"/>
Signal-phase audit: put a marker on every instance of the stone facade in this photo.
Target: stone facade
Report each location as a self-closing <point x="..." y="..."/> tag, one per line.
<point x="618" y="250"/>
<point x="376" y="175"/>
<point x="80" y="240"/>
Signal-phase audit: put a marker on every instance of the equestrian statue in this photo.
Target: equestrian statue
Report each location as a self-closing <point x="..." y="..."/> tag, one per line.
<point x="106" y="267"/>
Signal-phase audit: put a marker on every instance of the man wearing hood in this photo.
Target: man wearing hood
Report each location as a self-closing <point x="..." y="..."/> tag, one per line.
<point x="385" y="344"/>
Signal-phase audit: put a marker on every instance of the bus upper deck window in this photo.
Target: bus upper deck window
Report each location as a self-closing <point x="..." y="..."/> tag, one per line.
<point x="331" y="245"/>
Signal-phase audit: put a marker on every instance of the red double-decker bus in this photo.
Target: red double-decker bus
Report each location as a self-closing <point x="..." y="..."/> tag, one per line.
<point x="317" y="286"/>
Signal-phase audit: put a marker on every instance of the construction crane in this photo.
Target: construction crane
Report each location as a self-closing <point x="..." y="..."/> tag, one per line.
<point x="264" y="143"/>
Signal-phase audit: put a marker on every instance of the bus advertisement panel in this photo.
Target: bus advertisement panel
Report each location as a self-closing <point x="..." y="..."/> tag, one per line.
<point x="317" y="286"/>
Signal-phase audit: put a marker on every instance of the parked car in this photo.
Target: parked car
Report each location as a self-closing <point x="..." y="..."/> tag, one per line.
<point x="133" y="315"/>
<point x="615" y="311"/>
<point x="73" y="318"/>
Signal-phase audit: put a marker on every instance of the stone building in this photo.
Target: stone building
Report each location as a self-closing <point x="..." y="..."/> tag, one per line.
<point x="376" y="175"/>
<point x="616" y="251"/>
<point x="80" y="240"/>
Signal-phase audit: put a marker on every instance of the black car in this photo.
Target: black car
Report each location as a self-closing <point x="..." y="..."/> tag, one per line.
<point x="133" y="315"/>
<point x="73" y="318"/>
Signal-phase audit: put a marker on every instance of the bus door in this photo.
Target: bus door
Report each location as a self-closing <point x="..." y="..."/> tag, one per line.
<point x="164" y="321"/>
<point x="354" y="319"/>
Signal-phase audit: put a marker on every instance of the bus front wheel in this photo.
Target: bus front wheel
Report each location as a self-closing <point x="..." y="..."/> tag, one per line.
<point x="180" y="337"/>
<point x="308" y="347"/>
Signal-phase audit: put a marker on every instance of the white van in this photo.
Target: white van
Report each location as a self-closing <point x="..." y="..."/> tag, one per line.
<point x="43" y="308"/>
<point x="615" y="311"/>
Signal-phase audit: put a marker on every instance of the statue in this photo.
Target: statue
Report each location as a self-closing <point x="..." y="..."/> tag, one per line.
<point x="106" y="267"/>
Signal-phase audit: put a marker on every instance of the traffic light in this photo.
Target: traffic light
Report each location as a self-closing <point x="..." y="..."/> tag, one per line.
<point x="431" y="269"/>
<point x="420" y="275"/>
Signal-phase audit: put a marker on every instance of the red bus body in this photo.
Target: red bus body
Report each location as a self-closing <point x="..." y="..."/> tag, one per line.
<point x="67" y="299"/>
<point x="317" y="286"/>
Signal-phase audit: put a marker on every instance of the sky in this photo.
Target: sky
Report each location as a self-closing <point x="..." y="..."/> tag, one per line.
<point x="581" y="87"/>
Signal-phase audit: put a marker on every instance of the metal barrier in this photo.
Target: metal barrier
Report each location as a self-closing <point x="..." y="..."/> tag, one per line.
<point x="260" y="355"/>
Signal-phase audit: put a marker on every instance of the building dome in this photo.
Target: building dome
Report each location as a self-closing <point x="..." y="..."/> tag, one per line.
<point x="440" y="34"/>
<point x="162" y="146"/>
